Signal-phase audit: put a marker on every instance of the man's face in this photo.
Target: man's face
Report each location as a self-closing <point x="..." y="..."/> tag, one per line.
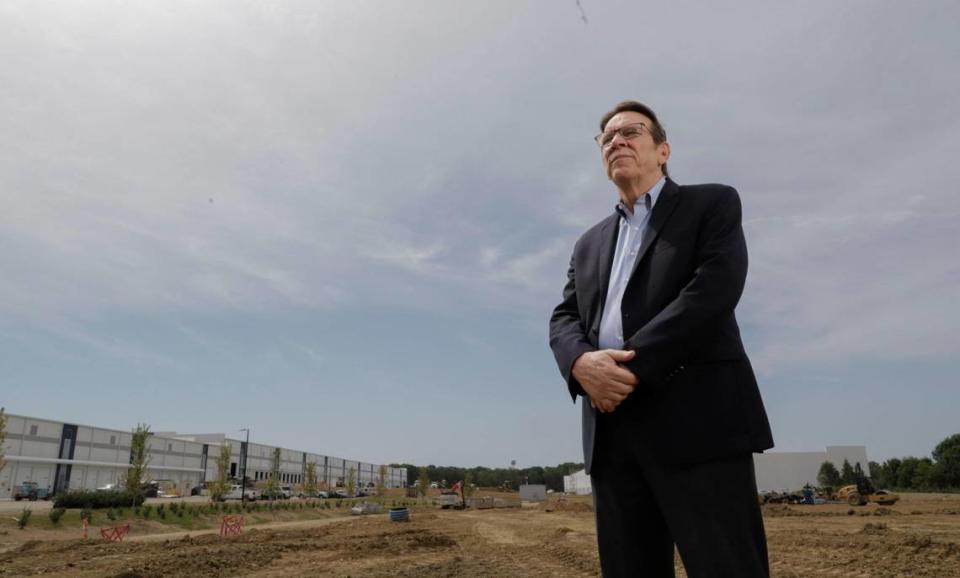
<point x="636" y="159"/>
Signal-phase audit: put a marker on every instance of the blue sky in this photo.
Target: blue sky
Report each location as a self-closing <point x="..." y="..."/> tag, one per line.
<point x="344" y="224"/>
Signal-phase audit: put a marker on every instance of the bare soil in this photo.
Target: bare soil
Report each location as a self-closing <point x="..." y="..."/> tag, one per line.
<point x="919" y="536"/>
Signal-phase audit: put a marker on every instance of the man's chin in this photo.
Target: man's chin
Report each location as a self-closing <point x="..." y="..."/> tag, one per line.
<point x="622" y="177"/>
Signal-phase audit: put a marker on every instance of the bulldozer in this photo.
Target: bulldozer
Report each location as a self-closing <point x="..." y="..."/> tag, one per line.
<point x="863" y="493"/>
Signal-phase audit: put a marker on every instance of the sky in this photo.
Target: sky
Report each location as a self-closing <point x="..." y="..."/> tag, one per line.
<point x="344" y="225"/>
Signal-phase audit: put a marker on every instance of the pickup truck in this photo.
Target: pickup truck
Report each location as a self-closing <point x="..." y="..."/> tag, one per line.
<point x="236" y="493"/>
<point x="30" y="491"/>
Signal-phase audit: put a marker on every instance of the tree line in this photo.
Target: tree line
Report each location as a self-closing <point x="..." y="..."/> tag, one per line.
<point x="551" y="476"/>
<point x="940" y="472"/>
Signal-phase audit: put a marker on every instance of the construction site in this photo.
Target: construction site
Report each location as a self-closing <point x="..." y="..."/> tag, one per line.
<point x="499" y="535"/>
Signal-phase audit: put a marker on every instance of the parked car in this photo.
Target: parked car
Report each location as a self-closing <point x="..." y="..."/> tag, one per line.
<point x="115" y="487"/>
<point x="237" y="492"/>
<point x="30" y="491"/>
<point x="278" y="493"/>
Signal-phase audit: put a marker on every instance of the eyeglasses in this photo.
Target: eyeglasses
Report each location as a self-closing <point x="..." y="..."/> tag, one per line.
<point x="628" y="132"/>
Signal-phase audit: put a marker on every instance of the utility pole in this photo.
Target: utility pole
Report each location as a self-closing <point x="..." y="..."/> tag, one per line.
<point x="243" y="470"/>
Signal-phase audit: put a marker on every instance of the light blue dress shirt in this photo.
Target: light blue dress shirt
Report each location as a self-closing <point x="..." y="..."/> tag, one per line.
<point x="632" y="229"/>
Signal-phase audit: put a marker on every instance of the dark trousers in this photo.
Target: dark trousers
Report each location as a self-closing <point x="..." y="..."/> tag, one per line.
<point x="644" y="507"/>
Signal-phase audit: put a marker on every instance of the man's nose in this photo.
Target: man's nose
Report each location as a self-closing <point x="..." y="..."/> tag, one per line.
<point x="617" y="142"/>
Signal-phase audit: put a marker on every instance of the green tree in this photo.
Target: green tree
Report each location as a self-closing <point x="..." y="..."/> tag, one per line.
<point x="423" y="482"/>
<point x="139" y="460"/>
<point x="3" y="437"/>
<point x="351" y="483"/>
<point x="221" y="485"/>
<point x="828" y="475"/>
<point x="878" y="474"/>
<point x="914" y="473"/>
<point x="310" y="479"/>
<point x="846" y="474"/>
<point x="468" y="487"/>
<point x="857" y="471"/>
<point x="272" y="489"/>
<point x="946" y="470"/>
<point x="922" y="477"/>
<point x="891" y="471"/>
<point x="381" y="481"/>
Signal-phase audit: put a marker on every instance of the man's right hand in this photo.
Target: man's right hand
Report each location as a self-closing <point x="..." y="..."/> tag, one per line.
<point x="605" y="381"/>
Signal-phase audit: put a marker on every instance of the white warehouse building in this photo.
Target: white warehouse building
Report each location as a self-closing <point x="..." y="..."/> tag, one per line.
<point x="61" y="456"/>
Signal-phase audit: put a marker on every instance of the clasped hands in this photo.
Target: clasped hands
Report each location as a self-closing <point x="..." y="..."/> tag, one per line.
<point x="606" y="382"/>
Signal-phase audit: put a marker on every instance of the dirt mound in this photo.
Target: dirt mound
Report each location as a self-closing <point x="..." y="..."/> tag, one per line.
<point x="779" y="511"/>
<point x="563" y="505"/>
<point x="871" y="528"/>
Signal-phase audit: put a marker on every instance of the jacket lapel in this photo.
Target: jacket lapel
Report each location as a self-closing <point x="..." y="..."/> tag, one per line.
<point x="666" y="203"/>
<point x="608" y="243"/>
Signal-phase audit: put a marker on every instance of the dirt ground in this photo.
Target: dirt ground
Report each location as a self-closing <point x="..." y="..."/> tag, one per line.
<point x="920" y="536"/>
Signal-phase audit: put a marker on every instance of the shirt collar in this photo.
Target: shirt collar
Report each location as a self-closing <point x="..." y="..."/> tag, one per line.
<point x="653" y="194"/>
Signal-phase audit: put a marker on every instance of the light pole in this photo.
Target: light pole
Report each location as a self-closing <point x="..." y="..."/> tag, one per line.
<point x="243" y="470"/>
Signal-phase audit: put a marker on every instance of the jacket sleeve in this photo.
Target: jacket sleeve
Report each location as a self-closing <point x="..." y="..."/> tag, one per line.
<point x="568" y="338"/>
<point x="711" y="295"/>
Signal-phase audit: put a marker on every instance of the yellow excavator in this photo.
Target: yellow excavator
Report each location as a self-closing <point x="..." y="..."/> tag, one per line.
<point x="863" y="493"/>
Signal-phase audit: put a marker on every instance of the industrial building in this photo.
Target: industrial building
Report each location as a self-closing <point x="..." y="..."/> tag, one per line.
<point x="577" y="483"/>
<point x="62" y="456"/>
<point x="775" y="471"/>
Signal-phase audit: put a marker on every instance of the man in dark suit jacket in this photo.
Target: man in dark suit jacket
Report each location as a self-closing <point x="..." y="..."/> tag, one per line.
<point x="646" y="336"/>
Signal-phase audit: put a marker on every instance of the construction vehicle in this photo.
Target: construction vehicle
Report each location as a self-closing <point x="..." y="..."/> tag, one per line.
<point x="863" y="492"/>
<point x="30" y="491"/>
<point x="451" y="499"/>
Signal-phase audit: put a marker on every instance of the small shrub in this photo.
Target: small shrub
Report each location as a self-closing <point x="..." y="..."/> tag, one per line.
<point x="55" y="515"/>
<point x="147" y="510"/>
<point x="94" y="499"/>
<point x="87" y="514"/>
<point x="111" y="515"/>
<point x="24" y="518"/>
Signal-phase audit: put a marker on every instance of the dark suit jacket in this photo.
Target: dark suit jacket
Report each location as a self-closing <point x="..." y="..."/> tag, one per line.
<point x="697" y="398"/>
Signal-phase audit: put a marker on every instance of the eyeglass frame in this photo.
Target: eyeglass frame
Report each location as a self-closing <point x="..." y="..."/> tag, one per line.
<point x="616" y="131"/>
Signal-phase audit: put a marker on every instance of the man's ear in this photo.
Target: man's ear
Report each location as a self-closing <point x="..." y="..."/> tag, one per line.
<point x="664" y="151"/>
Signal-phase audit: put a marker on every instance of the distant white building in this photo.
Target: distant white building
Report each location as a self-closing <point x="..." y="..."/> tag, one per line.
<point x="790" y="471"/>
<point x="577" y="483"/>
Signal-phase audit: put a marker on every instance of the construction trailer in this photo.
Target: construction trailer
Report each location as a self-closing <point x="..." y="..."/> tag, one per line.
<point x="533" y="492"/>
